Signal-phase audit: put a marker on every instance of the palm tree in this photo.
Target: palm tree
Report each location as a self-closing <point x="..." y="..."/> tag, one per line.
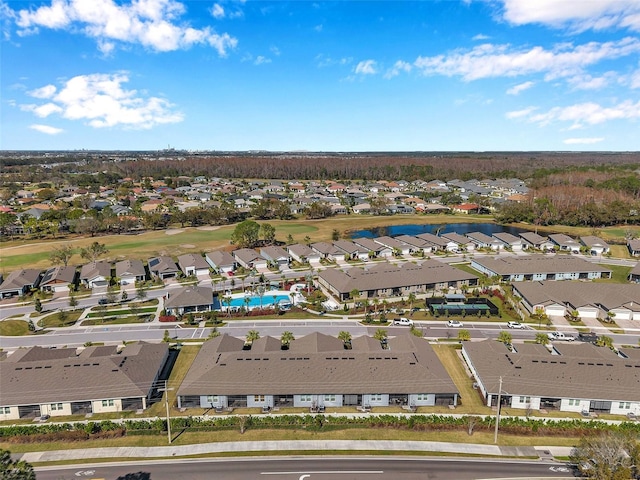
<point x="411" y="299"/>
<point x="376" y="301"/>
<point x="247" y="301"/>
<point x="261" y="291"/>
<point x="345" y="337"/>
<point x="227" y="300"/>
<point x="286" y="338"/>
<point x="252" y="336"/>
<point x="381" y="334"/>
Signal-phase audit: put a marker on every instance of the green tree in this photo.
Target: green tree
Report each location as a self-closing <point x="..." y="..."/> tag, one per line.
<point x="344" y="336"/>
<point x="252" y="336"/>
<point x="37" y="305"/>
<point x="542" y="339"/>
<point x="335" y="235"/>
<point x="268" y="232"/>
<point x="14" y="469"/>
<point x="505" y="337"/>
<point x="606" y="456"/>
<point x="73" y="301"/>
<point x="246" y="234"/>
<point x="94" y="251"/>
<point x="124" y="295"/>
<point x="214" y="333"/>
<point x="167" y="337"/>
<point x="141" y="291"/>
<point x="464" y="335"/>
<point x="380" y="334"/>
<point x="604" y="341"/>
<point x="61" y="255"/>
<point x="286" y="338"/>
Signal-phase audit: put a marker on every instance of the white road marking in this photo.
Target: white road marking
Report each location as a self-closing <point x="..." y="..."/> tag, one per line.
<point x="324" y="472"/>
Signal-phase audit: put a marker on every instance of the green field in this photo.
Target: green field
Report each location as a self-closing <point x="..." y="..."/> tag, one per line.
<point x="14" y="328"/>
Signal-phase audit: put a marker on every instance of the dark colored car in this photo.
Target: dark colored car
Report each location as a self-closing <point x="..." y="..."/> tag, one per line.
<point x="588" y="337"/>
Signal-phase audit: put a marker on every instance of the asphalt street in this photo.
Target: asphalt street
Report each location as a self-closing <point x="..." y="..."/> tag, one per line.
<point x="314" y="468"/>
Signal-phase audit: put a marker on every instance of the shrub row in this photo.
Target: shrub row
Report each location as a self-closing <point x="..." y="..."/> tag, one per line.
<point x="514" y="425"/>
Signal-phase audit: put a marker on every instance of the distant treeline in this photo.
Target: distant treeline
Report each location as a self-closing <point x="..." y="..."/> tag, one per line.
<point x="312" y="166"/>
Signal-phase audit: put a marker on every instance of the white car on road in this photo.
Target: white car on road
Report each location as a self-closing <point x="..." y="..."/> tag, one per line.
<point x="517" y="325"/>
<point x="407" y="322"/>
<point x="455" y="324"/>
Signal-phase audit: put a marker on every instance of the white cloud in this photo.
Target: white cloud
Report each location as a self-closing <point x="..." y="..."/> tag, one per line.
<point x="101" y="101"/>
<point x="275" y="50"/>
<point x="398" y="67"/>
<point x="587" y="82"/>
<point x="260" y="60"/>
<point x="487" y="60"/>
<point x="525" y="112"/>
<point x="318" y="28"/>
<point x="588" y="113"/>
<point x="583" y="141"/>
<point x="43" y="92"/>
<point x="49" y="130"/>
<point x="579" y="16"/>
<point x="153" y="24"/>
<point x="366" y="67"/>
<point x="634" y="81"/>
<point x="324" y="61"/>
<point x="480" y="36"/>
<point x="516" y="89"/>
<point x="217" y="11"/>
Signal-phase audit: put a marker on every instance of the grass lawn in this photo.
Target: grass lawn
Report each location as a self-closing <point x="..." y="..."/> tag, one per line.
<point x="14" y="328"/>
<point x="470" y="399"/>
<point x="117" y="320"/>
<point x="619" y="274"/>
<point x="54" y="319"/>
<point x="185" y="358"/>
<point x="114" y="313"/>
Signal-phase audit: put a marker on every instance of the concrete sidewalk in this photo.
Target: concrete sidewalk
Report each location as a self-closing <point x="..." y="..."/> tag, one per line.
<point x="297" y="445"/>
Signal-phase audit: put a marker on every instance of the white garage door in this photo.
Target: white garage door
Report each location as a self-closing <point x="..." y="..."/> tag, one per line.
<point x="588" y="312"/>
<point x="555" y="311"/>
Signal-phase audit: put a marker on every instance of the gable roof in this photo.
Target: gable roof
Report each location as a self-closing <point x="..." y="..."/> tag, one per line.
<point x="95" y="269"/>
<point x="130" y="267"/>
<point x="162" y="264"/>
<point x="189" y="297"/>
<point x="58" y="375"/>
<point x="220" y="258"/>
<point x="192" y="260"/>
<point x="19" y="278"/>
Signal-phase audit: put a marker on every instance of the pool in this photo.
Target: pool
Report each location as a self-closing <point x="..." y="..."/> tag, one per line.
<point x="253" y="301"/>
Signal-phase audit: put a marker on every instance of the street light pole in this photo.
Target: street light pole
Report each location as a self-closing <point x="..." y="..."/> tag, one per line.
<point x="166" y="402"/>
<point x="495" y="434"/>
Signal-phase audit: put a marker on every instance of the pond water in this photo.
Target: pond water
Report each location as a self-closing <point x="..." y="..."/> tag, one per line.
<point x="414" y="229"/>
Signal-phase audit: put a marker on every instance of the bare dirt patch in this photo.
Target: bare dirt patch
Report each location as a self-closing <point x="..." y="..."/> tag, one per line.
<point x="173" y="231"/>
<point x="187" y="245"/>
<point x="208" y="228"/>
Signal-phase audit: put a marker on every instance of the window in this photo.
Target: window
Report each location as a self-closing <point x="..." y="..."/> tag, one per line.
<point x="56" y="406"/>
<point x="108" y="403"/>
<point x="5" y="410"/>
<point x="258" y="398"/>
<point x="212" y="399"/>
<point x="422" y="397"/>
<point x="329" y="398"/>
<point x="574" y="402"/>
<point x="525" y="399"/>
<point x="305" y="398"/>
<point x="625" y="405"/>
<point x="376" y="397"/>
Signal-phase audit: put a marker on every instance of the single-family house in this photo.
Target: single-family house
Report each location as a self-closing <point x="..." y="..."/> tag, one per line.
<point x="375" y="249"/>
<point x="58" y="279"/>
<point x="163" y="267"/>
<point x="417" y="244"/>
<point x="193" y="264"/>
<point x="303" y="253"/>
<point x="439" y="243"/>
<point x="95" y="274"/>
<point x="275" y="255"/>
<point x="531" y="240"/>
<point x="20" y="282"/>
<point x="565" y="242"/>
<point x="634" y="247"/>
<point x="221" y="261"/>
<point x="327" y="251"/>
<point x="130" y="271"/>
<point x="634" y="274"/>
<point x="352" y="250"/>
<point x="249" y="258"/>
<point x="395" y="245"/>
<point x="189" y="300"/>
<point x="466" y="208"/>
<point x="482" y="240"/>
<point x="463" y="243"/>
<point x="361" y="208"/>
<point x="595" y="245"/>
<point x="510" y="241"/>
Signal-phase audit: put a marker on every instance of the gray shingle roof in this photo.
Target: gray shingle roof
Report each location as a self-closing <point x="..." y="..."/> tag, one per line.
<point x="95" y="269"/>
<point x="59" y="375"/>
<point x="130" y="268"/>
<point x="539" y="264"/>
<point x="190" y="297"/>
<point x="19" y="278"/>
<point x="410" y="366"/>
<point x="581" y="371"/>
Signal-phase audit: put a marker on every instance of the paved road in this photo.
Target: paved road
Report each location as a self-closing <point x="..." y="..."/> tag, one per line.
<point x="341" y="468"/>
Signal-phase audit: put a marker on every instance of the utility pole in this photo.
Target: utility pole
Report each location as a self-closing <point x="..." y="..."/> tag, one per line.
<point x="495" y="434"/>
<point x="166" y="402"/>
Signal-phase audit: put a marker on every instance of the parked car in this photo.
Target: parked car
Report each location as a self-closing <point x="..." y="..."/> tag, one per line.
<point x="407" y="322"/>
<point x="560" y="336"/>
<point x="103" y="301"/>
<point x="588" y="337"/>
<point x="455" y="324"/>
<point x="517" y="325"/>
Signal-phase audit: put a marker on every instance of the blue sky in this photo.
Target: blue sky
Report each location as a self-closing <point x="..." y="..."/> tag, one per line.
<point x="474" y="75"/>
